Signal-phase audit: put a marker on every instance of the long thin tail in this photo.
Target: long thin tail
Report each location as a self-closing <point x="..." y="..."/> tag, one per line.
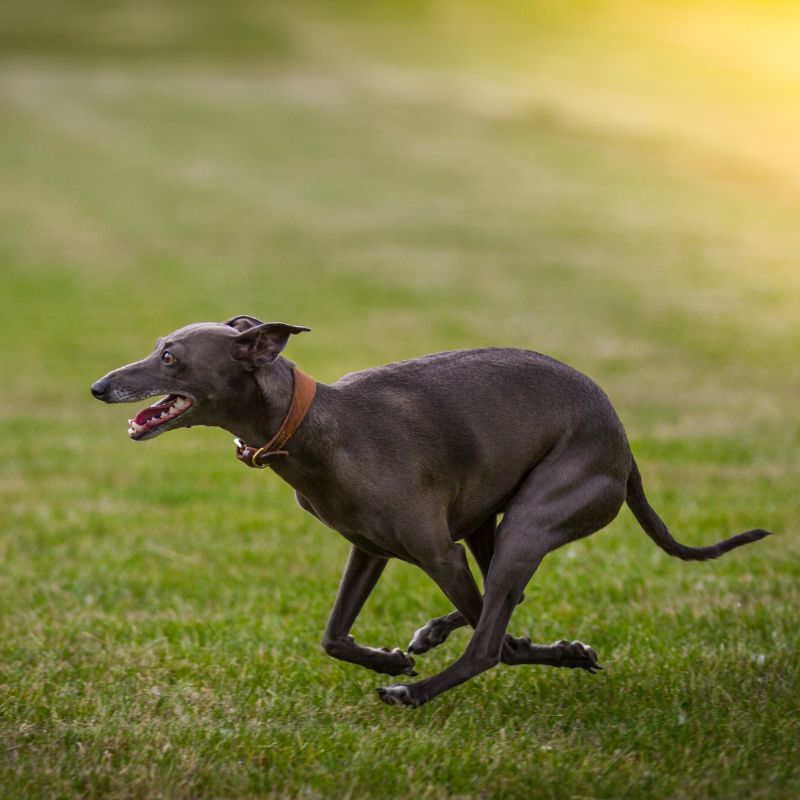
<point x="655" y="528"/>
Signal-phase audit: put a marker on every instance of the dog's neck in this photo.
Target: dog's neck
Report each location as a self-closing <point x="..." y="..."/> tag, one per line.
<point x="276" y="383"/>
<point x="264" y="408"/>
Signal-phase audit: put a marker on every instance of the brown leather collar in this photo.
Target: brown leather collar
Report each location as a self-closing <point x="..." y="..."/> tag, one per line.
<point x="305" y="388"/>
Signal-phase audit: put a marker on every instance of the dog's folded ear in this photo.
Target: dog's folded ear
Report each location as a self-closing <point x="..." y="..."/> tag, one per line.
<point x="262" y="344"/>
<point x="243" y="323"/>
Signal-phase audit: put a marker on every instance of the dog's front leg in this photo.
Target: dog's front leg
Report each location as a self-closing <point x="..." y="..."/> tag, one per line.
<point x="359" y="579"/>
<point x="451" y="572"/>
<point x="436" y="631"/>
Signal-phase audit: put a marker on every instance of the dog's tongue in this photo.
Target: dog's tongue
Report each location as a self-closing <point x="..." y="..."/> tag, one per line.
<point x="156" y="410"/>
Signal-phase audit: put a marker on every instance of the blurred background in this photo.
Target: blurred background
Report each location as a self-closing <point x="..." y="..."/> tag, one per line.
<point x="615" y="183"/>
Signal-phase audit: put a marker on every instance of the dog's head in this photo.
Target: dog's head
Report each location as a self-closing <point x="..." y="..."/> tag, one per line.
<point x="204" y="370"/>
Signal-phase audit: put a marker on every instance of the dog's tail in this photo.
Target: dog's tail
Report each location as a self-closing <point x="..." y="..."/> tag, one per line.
<point x="656" y="529"/>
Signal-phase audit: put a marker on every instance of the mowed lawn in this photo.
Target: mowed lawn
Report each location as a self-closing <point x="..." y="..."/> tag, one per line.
<point x="161" y="607"/>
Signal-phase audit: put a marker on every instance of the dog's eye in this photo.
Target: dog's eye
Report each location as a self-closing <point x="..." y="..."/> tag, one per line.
<point x="168" y="358"/>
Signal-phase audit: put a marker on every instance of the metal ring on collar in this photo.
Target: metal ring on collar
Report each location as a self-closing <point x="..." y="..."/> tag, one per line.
<point x="254" y="461"/>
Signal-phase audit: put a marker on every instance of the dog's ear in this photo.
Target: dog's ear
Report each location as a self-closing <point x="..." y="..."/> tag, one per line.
<point x="262" y="344"/>
<point x="243" y="323"/>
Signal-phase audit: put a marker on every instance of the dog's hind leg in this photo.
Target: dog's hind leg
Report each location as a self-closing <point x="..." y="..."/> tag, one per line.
<point x="511" y="569"/>
<point x="602" y="496"/>
<point x="359" y="579"/>
<point x="546" y="513"/>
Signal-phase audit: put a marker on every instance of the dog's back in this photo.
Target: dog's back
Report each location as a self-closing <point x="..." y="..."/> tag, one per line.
<point x="479" y="420"/>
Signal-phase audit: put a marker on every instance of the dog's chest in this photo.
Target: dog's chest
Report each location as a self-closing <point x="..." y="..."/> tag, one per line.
<point x="335" y="516"/>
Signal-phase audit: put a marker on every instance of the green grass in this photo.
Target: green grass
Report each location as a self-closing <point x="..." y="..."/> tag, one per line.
<point x="562" y="186"/>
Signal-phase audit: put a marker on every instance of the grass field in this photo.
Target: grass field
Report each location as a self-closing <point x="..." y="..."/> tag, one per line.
<point x="617" y="187"/>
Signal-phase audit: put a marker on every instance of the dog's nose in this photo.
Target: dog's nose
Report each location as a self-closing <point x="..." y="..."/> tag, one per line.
<point x="99" y="388"/>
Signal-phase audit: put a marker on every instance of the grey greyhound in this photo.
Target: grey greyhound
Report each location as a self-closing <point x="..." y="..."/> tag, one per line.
<point x="407" y="460"/>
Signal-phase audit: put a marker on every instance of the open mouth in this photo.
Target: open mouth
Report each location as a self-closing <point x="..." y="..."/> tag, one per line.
<point x="160" y="413"/>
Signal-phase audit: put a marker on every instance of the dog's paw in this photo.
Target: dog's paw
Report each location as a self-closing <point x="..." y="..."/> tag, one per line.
<point x="577" y="655"/>
<point x="396" y="662"/>
<point x="573" y="655"/>
<point x="397" y="695"/>
<point x="430" y="635"/>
